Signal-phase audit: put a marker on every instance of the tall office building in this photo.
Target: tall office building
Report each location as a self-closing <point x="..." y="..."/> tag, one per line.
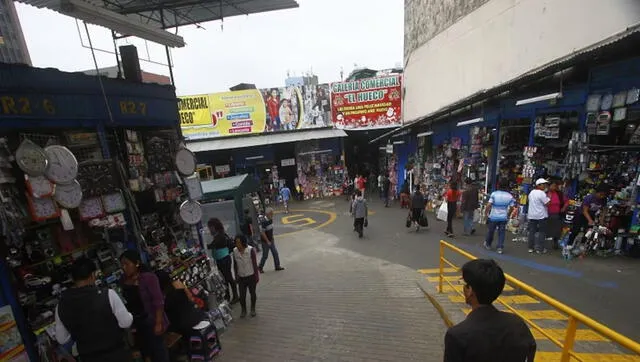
<point x="13" y="48"/>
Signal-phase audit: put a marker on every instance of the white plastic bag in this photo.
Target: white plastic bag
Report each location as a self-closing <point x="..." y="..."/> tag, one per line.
<point x="442" y="212"/>
<point x="476" y="216"/>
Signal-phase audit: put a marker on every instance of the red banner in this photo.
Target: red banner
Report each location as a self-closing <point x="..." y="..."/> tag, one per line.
<point x="367" y="103"/>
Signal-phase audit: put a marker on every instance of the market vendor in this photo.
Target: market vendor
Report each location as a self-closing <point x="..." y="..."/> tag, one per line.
<point x="180" y="306"/>
<point x="591" y="206"/>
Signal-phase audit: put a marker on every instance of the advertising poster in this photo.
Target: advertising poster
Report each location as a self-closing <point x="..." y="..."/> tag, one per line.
<point x="317" y="106"/>
<point x="367" y="103"/>
<point x="195" y="116"/>
<point x="283" y="108"/>
<point x="229" y="114"/>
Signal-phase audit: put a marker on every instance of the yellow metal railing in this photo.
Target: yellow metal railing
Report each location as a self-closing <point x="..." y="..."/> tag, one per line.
<point x="575" y="318"/>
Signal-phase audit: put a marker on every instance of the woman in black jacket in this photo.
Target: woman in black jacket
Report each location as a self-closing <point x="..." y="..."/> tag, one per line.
<point x="221" y="247"/>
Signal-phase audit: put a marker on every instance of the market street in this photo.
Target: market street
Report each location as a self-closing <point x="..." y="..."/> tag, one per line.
<point x="602" y="288"/>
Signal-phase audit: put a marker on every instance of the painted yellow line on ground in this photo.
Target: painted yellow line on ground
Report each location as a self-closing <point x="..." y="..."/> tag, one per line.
<point x="436" y="270"/>
<point x="298" y="220"/>
<point x="588" y="357"/>
<point x="585" y="335"/>
<point x="535" y="314"/>
<point x="451" y="289"/>
<point x="509" y="299"/>
<point x="332" y="219"/>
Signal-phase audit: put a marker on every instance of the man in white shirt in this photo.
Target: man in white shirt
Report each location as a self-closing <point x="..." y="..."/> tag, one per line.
<point x="537" y="216"/>
<point x="94" y="318"/>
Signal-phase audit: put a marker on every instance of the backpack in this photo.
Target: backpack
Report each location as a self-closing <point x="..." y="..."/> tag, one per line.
<point x="231" y="244"/>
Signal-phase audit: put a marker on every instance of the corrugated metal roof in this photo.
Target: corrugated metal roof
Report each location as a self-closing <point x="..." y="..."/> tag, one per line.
<point x="181" y="12"/>
<point x="550" y="68"/>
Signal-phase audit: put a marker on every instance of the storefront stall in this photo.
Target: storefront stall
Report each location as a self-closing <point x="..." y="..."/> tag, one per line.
<point x="90" y="170"/>
<point x="320" y="169"/>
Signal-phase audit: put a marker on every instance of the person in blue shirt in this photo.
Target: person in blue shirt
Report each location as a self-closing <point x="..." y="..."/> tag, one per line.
<point x="500" y="204"/>
<point x="285" y="194"/>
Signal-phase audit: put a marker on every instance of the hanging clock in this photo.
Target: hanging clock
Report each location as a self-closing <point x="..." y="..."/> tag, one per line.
<point x="607" y="101"/>
<point x="191" y="212"/>
<point x="633" y="95"/>
<point x="38" y="186"/>
<point x="185" y="162"/>
<point x="42" y="209"/>
<point x="31" y="158"/>
<point x="91" y="208"/>
<point x="114" y="202"/>
<point x="69" y="196"/>
<point x="63" y="167"/>
<point x="593" y="102"/>
<point x="194" y="187"/>
<point x="619" y="99"/>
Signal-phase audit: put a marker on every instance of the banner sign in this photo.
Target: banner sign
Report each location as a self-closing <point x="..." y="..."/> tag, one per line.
<point x="283" y="108"/>
<point x="222" y="114"/>
<point x="367" y="103"/>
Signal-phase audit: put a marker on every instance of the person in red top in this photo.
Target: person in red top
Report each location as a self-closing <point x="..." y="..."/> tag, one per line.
<point x="362" y="182"/>
<point x="273" y="110"/>
<point x="556" y="207"/>
<point x="451" y="197"/>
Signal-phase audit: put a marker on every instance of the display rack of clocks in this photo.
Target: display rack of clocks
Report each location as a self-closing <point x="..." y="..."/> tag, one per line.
<point x="31" y="158"/>
<point x="63" y="165"/>
<point x="39" y="186"/>
<point x="69" y="196"/>
<point x="114" y="202"/>
<point x="185" y="162"/>
<point x="194" y="187"/>
<point x="191" y="212"/>
<point x="91" y="208"/>
<point x="42" y="209"/>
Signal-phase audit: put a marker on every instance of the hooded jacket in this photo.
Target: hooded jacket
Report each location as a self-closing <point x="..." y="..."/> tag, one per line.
<point x="360" y="209"/>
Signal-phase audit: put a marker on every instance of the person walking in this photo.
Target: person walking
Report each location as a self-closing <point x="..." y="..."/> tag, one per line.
<point x="469" y="205"/>
<point x="537" y="216"/>
<point x="500" y="205"/>
<point x="386" y="187"/>
<point x="247" y="229"/>
<point x="95" y="319"/>
<point x="141" y="290"/>
<point x="487" y="334"/>
<point x="246" y="267"/>
<point x="558" y="205"/>
<point x="268" y="242"/>
<point x="418" y="204"/>
<point x="380" y="185"/>
<point x="362" y="184"/>
<point x="451" y="197"/>
<point x="285" y="194"/>
<point x="360" y="213"/>
<point x="221" y="247"/>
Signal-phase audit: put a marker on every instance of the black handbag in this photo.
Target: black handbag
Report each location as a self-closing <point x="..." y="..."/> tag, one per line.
<point x="423" y="221"/>
<point x="408" y="222"/>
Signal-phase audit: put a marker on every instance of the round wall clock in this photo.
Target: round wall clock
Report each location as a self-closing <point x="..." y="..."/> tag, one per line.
<point x="69" y="196"/>
<point x="63" y="165"/>
<point x="31" y="158"/>
<point x="191" y="212"/>
<point x="185" y="162"/>
<point x="39" y="186"/>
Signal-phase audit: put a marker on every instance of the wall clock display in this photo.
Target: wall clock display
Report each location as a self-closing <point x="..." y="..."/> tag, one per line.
<point x="31" y="158"/>
<point x="39" y="186"/>
<point x="633" y="95"/>
<point x="593" y="103"/>
<point x="607" y="101"/>
<point x="63" y="165"/>
<point x="42" y="209"/>
<point x="69" y="196"/>
<point x="114" y="202"/>
<point x="185" y="162"/>
<point x="91" y="208"/>
<point x="97" y="178"/>
<point x="619" y="99"/>
<point x="191" y="212"/>
<point x="194" y="187"/>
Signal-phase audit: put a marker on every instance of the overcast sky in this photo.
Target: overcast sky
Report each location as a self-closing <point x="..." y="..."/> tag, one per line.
<point x="320" y="36"/>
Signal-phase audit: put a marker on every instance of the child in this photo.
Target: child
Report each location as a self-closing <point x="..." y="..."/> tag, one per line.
<point x="247" y="273"/>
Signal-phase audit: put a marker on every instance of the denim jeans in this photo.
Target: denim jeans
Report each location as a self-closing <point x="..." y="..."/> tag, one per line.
<point x="265" y="254"/>
<point x="491" y="229"/>
<point x="468" y="221"/>
<point x="539" y="227"/>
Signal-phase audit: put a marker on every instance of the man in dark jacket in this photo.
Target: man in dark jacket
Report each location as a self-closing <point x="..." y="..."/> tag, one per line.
<point x="487" y="334"/>
<point x="386" y="185"/>
<point x="94" y="318"/>
<point x="469" y="205"/>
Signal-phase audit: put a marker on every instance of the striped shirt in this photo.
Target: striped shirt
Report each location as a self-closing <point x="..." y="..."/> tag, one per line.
<point x="500" y="202"/>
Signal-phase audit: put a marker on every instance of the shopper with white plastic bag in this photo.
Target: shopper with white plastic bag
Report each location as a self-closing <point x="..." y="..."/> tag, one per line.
<point x="442" y="211"/>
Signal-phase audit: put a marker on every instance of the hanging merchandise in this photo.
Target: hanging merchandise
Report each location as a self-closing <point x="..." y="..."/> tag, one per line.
<point x="319" y="172"/>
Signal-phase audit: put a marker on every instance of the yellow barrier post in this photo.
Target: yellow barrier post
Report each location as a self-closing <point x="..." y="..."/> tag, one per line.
<point x="441" y="267"/>
<point x="569" y="339"/>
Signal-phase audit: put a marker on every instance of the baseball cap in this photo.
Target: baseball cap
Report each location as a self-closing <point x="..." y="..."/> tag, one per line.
<point x="541" y="181"/>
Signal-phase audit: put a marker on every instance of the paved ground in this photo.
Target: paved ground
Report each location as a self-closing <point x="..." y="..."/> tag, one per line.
<point x="332" y="304"/>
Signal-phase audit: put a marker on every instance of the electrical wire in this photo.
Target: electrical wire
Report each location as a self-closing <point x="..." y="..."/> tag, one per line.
<point x="95" y="63"/>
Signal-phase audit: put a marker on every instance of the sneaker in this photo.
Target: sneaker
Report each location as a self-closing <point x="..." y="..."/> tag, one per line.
<point x="543" y="251"/>
<point x="243" y="314"/>
<point x="486" y="246"/>
<point x="499" y="251"/>
<point x="279" y="268"/>
<point x="473" y="231"/>
<point x="530" y="251"/>
<point x="253" y="313"/>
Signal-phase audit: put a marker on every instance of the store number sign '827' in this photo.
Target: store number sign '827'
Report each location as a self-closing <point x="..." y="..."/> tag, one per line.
<point x="24" y="106"/>
<point x="131" y="107"/>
